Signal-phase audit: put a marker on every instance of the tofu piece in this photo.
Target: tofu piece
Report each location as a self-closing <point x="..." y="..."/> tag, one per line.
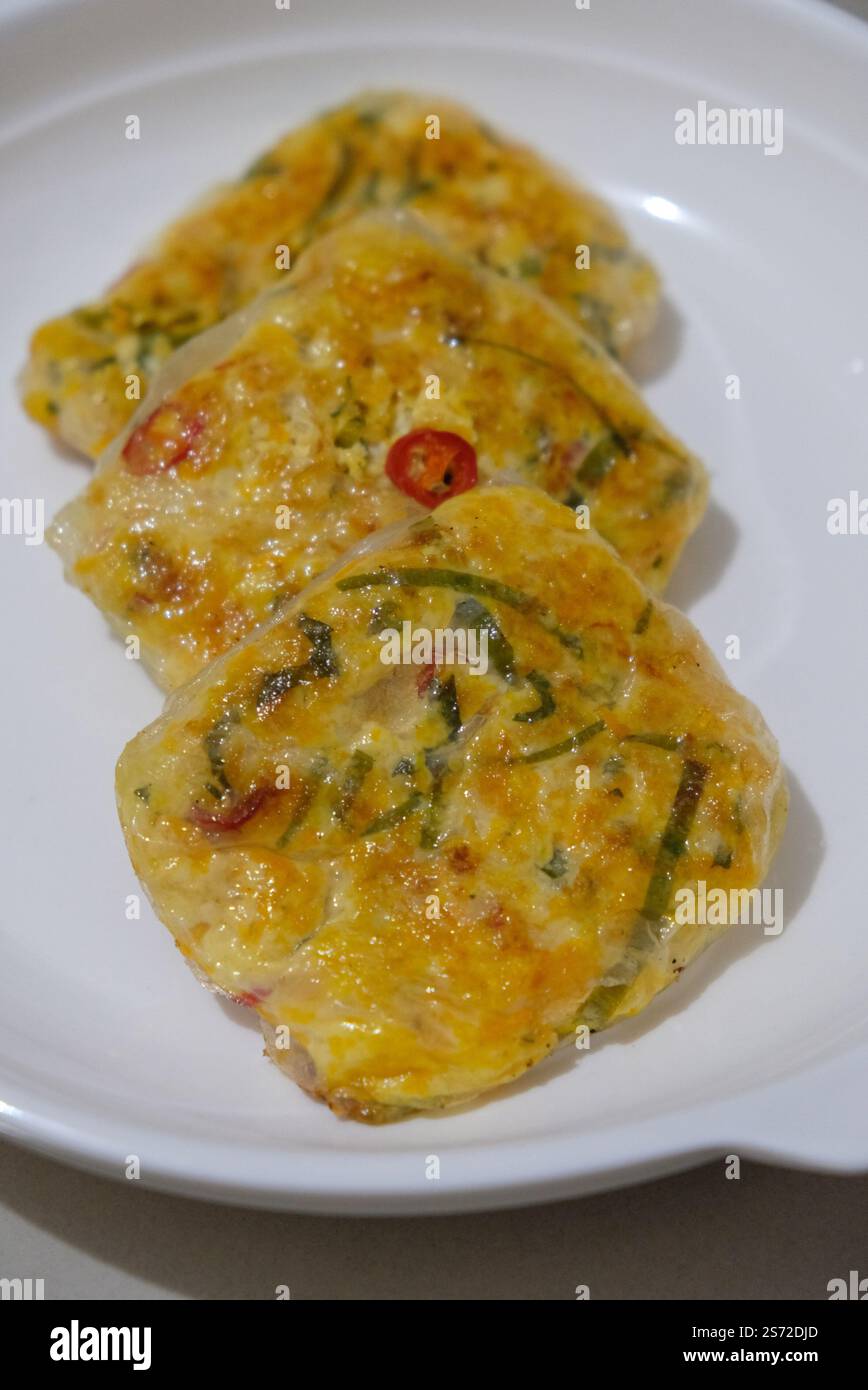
<point x="261" y="456"/>
<point x="490" y="197"/>
<point x="425" y="877"/>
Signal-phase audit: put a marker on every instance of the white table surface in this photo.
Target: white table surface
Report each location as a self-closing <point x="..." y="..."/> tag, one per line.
<point x="771" y="1234"/>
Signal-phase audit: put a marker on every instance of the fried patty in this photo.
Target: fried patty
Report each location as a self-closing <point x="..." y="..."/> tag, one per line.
<point x="422" y="876"/>
<point x="263" y="453"/>
<point x="489" y="197"/>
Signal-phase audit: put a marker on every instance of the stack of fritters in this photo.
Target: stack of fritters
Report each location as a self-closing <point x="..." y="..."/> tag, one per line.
<point x="422" y="876"/>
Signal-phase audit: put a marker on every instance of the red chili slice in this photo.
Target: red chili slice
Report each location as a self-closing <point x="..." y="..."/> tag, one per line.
<point x="164" y="440"/>
<point x="250" y="998"/>
<point x="432" y="465"/>
<point x="234" y="816"/>
<point x="425" y="677"/>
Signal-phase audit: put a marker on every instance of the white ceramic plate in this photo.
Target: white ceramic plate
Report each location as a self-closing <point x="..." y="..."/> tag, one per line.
<point x="107" y="1047"/>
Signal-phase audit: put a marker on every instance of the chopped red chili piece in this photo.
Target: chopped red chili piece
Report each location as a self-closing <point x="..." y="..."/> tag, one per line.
<point x="250" y="998"/>
<point x="231" y="817"/>
<point x="425" y="677"/>
<point x="164" y="440"/>
<point x="432" y="465"/>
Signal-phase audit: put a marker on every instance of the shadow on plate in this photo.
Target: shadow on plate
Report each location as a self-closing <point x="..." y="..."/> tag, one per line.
<point x="239" y="1013"/>
<point x="653" y="357"/>
<point x="705" y="558"/>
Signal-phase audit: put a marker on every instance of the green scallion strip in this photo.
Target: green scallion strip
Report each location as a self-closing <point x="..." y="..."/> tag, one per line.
<point x="464" y="581"/>
<point x="644" y="619"/>
<point x="432" y="834"/>
<point x="555" y="750"/>
<point x="446" y="695"/>
<point x="557" y="865"/>
<point x="322" y="657"/>
<point x="386" y="613"/>
<point x="673" y="842"/>
<point x="471" y="614"/>
<point x="322" y="662"/>
<point x="597" y="319"/>
<point x="668" y="741"/>
<point x="604" y="1000"/>
<point x="279" y="683"/>
<point x="543" y="687"/>
<point x="353" y="427"/>
<point x="214" y="743"/>
<point x="600" y="461"/>
<point x="395" y="815"/>
<point x="304" y="803"/>
<point x="414" y="184"/>
<point x="358" y="768"/>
